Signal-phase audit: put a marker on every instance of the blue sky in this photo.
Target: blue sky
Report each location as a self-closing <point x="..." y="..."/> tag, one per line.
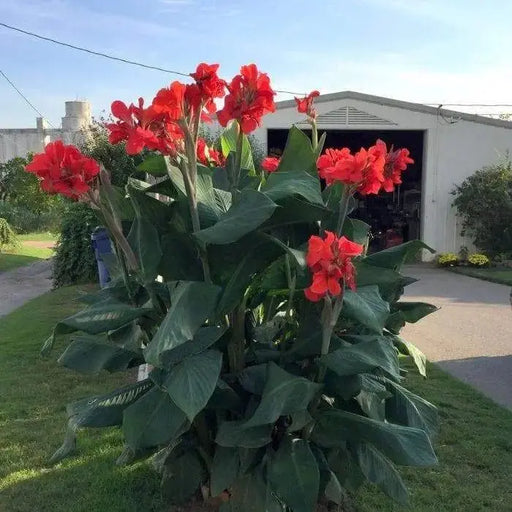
<point x="418" y="50"/>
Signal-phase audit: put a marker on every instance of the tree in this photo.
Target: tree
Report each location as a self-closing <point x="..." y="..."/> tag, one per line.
<point x="484" y="201"/>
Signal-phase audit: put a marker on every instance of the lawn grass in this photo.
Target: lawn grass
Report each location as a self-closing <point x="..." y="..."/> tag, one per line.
<point x="474" y="445"/>
<point x="500" y="275"/>
<point x="25" y="254"/>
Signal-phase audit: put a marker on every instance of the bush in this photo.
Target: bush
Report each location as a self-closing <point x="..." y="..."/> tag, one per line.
<point x="23" y="220"/>
<point x="447" y="259"/>
<point x="484" y="201"/>
<point x="7" y="236"/>
<point x="478" y="260"/>
<point x="74" y="260"/>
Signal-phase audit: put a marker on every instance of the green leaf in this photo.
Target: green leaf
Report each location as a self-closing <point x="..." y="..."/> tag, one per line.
<point x="403" y="445"/>
<point x="333" y="490"/>
<point x="293" y="473"/>
<point x="249" y="493"/>
<point x="298" y="154"/>
<point x="154" y="165"/>
<point x="294" y="210"/>
<point x="281" y="185"/>
<point x="283" y="394"/>
<point x="224" y="398"/>
<point x="204" y="338"/>
<point x="181" y="478"/>
<point x="88" y="354"/>
<point x="395" y="257"/>
<point x="408" y="349"/>
<point x="253" y="378"/>
<point x="236" y="433"/>
<point x="145" y="242"/>
<point x="367" y="307"/>
<point x="414" y="311"/>
<point x="252" y="210"/>
<point x="152" y="209"/>
<point x="406" y="408"/>
<point x="179" y="261"/>
<point x="153" y="420"/>
<point x="191" y="383"/>
<point x="380" y="471"/>
<point x="356" y="230"/>
<point x="228" y="144"/>
<point x="98" y="411"/>
<point x="364" y="357"/>
<point x="191" y="304"/>
<point x="224" y="470"/>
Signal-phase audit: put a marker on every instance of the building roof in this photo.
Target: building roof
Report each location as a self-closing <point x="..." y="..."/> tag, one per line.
<point x="405" y="105"/>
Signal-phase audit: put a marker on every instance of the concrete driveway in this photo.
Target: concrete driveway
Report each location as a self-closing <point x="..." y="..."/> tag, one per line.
<point x="471" y="335"/>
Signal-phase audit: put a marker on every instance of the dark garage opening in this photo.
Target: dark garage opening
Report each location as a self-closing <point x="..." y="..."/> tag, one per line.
<point x="394" y="217"/>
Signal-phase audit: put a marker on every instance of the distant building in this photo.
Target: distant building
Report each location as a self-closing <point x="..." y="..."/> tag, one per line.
<point x="20" y="141"/>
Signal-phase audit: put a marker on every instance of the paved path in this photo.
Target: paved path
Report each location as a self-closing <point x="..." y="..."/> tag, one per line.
<point x="22" y="284"/>
<point x="471" y="335"/>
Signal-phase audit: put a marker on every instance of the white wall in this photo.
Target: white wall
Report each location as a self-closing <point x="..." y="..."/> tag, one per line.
<point x="452" y="152"/>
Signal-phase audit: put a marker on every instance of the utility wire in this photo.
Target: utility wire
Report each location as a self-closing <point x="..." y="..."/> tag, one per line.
<point x="23" y="96"/>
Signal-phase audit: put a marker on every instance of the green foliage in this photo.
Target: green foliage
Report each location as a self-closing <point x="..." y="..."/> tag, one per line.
<point x="8" y="237"/>
<point x="478" y="260"/>
<point x="484" y="201"/>
<point x="447" y="259"/>
<point x="74" y="260"/>
<point x="24" y="220"/>
<point x="244" y="394"/>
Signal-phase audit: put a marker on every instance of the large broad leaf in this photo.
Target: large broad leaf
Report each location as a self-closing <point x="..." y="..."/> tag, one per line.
<point x="293" y="473"/>
<point x="89" y="354"/>
<point x="236" y="433"/>
<point x="408" y="312"/>
<point x="395" y="257"/>
<point x="153" y="420"/>
<point x="147" y="206"/>
<point x="250" y="212"/>
<point x="403" y="445"/>
<point x="191" y="304"/>
<point x="228" y="144"/>
<point x="181" y="478"/>
<point x="406" y="408"/>
<point x="224" y="470"/>
<point x="356" y="230"/>
<point x="283" y="394"/>
<point x="145" y="243"/>
<point x="408" y="349"/>
<point x="99" y="411"/>
<point x="364" y="357"/>
<point x="191" y="383"/>
<point x="253" y="378"/>
<point x="204" y="338"/>
<point x="154" y="165"/>
<point x="180" y="261"/>
<point x="380" y="471"/>
<point x="367" y="307"/>
<point x="294" y="210"/>
<point x="281" y="185"/>
<point x="298" y="154"/>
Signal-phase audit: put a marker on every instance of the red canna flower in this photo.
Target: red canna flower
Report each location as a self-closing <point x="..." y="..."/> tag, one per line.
<point x="171" y="101"/>
<point x="305" y="105"/>
<point x="207" y="155"/>
<point x="63" y="169"/>
<point x="209" y="86"/>
<point x="270" y="163"/>
<point x="329" y="259"/>
<point x="250" y="98"/>
<point x="396" y="162"/>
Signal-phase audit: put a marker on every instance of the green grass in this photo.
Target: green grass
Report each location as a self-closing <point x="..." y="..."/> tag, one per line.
<point x="498" y="275"/>
<point x="25" y="254"/>
<point x="474" y="445"/>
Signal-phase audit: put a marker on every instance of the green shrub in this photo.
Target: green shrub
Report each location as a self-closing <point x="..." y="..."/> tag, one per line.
<point x="484" y="201"/>
<point x="478" y="260"/>
<point x="23" y="220"/>
<point x="74" y="257"/>
<point x="447" y="259"/>
<point x="7" y="236"/>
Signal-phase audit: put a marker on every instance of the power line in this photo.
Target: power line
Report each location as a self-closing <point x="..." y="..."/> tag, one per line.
<point x="23" y="96"/>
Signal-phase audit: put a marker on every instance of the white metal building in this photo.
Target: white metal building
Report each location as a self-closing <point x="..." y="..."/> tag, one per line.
<point x="447" y="147"/>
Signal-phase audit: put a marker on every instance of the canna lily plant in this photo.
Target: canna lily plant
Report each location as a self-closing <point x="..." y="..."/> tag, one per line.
<point x="272" y="337"/>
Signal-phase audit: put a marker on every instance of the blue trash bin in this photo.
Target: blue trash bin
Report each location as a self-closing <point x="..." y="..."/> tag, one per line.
<point x="102" y="245"/>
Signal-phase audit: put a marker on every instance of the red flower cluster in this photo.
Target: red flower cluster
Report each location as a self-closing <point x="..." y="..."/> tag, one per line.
<point x="370" y="170"/>
<point x="207" y="155"/>
<point x="156" y="128"/>
<point x="250" y="98"/>
<point x="63" y="170"/>
<point x="270" y="163"/>
<point x="305" y="105"/>
<point x="330" y="261"/>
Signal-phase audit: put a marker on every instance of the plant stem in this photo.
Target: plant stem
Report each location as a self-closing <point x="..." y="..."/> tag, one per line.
<point x="236" y="344"/>
<point x="345" y="197"/>
<point x="291" y="285"/>
<point x="238" y="158"/>
<point x="314" y="134"/>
